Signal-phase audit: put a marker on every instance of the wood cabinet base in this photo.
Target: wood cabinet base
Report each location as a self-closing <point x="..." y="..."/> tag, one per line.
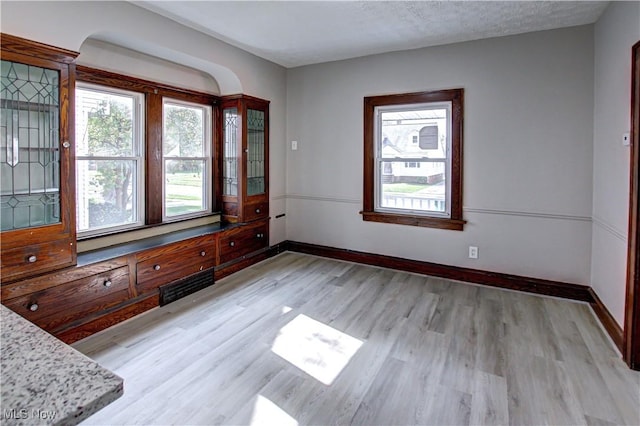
<point x="130" y="310"/>
<point x="76" y="302"/>
<point x="150" y="301"/>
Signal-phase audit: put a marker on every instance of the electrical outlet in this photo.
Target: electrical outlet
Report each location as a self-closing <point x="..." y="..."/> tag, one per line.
<point x="473" y="252"/>
<point x="294" y="145"/>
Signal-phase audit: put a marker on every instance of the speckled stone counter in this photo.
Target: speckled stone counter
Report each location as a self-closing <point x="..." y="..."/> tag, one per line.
<point x="44" y="381"/>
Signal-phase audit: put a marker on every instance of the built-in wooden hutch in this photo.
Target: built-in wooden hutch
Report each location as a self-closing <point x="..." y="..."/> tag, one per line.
<point x="70" y="294"/>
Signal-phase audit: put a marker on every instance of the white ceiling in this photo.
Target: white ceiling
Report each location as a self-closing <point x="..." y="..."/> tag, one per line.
<point x="295" y="33"/>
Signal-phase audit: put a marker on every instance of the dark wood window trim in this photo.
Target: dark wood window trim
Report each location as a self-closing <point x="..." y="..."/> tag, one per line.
<point x="120" y="81"/>
<point x="154" y="94"/>
<point x="456" y="97"/>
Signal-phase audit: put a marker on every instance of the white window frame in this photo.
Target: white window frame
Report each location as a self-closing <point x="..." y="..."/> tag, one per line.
<point x="207" y="191"/>
<point x="138" y="157"/>
<point x="379" y="159"/>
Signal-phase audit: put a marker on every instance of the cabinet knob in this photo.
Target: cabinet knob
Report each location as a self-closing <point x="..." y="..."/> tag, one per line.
<point x="33" y="307"/>
<point x="203" y="253"/>
<point x="258" y="211"/>
<point x="66" y="144"/>
<point x="32" y="259"/>
<point x="107" y="283"/>
<point x="260" y="235"/>
<point x="232" y="243"/>
<point x="156" y="267"/>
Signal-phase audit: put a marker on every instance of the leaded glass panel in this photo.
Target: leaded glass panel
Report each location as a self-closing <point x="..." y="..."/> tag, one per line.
<point x="29" y="146"/>
<point x="255" y="152"/>
<point x="230" y="160"/>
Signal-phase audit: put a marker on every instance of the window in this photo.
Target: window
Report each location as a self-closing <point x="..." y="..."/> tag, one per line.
<point x="109" y="159"/>
<point x="187" y="159"/>
<point x="412" y="163"/>
<point x="144" y="153"/>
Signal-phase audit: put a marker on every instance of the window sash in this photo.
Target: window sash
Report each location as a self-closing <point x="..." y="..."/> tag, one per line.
<point x="206" y="158"/>
<point x="408" y="199"/>
<point x="379" y="159"/>
<point x="136" y="156"/>
<point x="137" y="203"/>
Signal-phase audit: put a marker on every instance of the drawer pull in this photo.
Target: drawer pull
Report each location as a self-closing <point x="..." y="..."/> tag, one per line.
<point x="232" y="243"/>
<point x="156" y="267"/>
<point x="203" y="253"/>
<point x="259" y="235"/>
<point x="258" y="211"/>
<point x="33" y="307"/>
<point x="107" y="283"/>
<point x="32" y="259"/>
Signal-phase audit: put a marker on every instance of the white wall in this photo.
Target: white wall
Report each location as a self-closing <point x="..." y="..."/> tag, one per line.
<point x="528" y="138"/>
<point x="615" y="33"/>
<point x="70" y="24"/>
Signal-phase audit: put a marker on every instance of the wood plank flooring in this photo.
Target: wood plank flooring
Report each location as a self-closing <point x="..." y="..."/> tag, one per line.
<point x="299" y="339"/>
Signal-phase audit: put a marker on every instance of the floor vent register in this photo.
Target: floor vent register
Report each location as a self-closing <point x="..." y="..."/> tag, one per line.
<point x="184" y="287"/>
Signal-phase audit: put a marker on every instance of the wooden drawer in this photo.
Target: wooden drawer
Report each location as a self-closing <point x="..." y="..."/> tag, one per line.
<point x="33" y="259"/>
<point x="244" y="241"/>
<point x="256" y="211"/>
<point x="174" y="261"/>
<point x="57" y="306"/>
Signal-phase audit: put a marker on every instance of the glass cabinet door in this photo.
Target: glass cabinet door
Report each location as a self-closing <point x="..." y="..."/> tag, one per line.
<point x="29" y="146"/>
<point x="245" y="159"/>
<point x="255" y="152"/>
<point x="230" y="154"/>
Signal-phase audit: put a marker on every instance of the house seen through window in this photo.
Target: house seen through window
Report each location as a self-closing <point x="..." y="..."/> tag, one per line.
<point x="417" y="185"/>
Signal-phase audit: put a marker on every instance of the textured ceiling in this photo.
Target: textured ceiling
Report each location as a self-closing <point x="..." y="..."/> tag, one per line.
<point x="295" y="33"/>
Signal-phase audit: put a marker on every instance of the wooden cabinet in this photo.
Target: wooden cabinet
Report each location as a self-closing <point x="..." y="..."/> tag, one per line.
<point x="37" y="218"/>
<point x="76" y="301"/>
<point x="159" y="266"/>
<point x="36" y="158"/>
<point x="242" y="241"/>
<point x="245" y="159"/>
<point x="54" y="301"/>
<point x="34" y="258"/>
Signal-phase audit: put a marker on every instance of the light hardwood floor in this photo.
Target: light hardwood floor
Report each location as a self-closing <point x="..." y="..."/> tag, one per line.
<point x="303" y="340"/>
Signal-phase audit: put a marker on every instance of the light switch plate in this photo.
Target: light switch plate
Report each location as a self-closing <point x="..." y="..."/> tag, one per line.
<point x="626" y="139"/>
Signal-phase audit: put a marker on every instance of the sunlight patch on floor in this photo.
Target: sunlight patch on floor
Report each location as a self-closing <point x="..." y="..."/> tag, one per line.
<point x="315" y="348"/>
<point x="265" y="412"/>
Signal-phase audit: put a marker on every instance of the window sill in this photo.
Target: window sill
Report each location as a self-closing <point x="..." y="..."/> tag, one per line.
<point x="125" y="231"/>
<point x="412" y="220"/>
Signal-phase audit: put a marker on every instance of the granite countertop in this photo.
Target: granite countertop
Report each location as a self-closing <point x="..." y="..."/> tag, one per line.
<point x="45" y="381"/>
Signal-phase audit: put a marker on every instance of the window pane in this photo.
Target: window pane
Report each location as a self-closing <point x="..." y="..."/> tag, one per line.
<point x="106" y="193"/>
<point x="183" y="131"/>
<point x="104" y="124"/>
<point x="184" y="187"/>
<point x="418" y="133"/>
<point x="413" y="185"/>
